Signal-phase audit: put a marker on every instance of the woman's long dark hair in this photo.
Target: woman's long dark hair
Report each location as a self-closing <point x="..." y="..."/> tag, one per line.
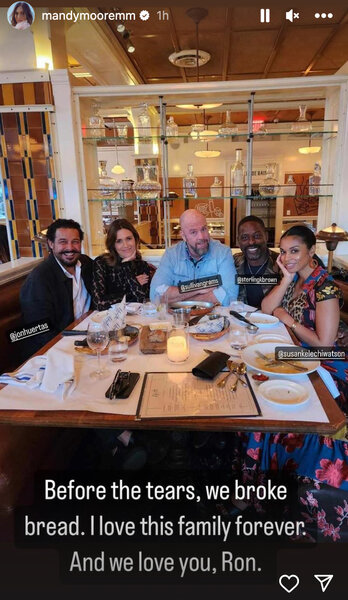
<point x="27" y="12"/>
<point x="307" y="236"/>
<point x="112" y="258"/>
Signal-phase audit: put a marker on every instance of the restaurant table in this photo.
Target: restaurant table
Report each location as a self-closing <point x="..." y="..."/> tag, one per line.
<point x="89" y="418"/>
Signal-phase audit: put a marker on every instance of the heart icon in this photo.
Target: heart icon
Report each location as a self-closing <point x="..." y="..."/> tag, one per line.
<point x="289" y="582"/>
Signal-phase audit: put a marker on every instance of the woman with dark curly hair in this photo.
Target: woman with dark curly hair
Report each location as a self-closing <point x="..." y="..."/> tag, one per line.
<point x="121" y="270"/>
<point x="22" y="16"/>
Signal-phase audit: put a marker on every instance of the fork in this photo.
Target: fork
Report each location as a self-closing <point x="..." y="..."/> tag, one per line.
<point x="273" y="361"/>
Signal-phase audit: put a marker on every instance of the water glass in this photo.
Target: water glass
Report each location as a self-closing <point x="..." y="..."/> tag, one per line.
<point x="238" y="337"/>
<point x="161" y="303"/>
<point x="118" y="350"/>
<point x="149" y="308"/>
<point x="237" y="306"/>
<point x="181" y="315"/>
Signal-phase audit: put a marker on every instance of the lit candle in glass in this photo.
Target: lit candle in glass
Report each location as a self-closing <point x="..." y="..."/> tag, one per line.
<point x="177" y="345"/>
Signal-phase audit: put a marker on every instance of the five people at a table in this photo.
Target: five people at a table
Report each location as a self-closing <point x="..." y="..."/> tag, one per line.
<point x="306" y="299"/>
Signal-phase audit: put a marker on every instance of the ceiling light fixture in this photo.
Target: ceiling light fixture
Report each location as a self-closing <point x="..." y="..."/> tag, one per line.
<point x="207" y="153"/>
<point x="120" y="28"/>
<point x="130" y="47"/>
<point x="117" y="168"/>
<point x="309" y="149"/>
<point x="198" y="106"/>
<point x="196" y="14"/>
<point x="129" y="44"/>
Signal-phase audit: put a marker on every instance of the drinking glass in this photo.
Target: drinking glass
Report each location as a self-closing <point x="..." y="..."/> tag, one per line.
<point x="118" y="350"/>
<point x="149" y="308"/>
<point x="238" y="337"/>
<point x="97" y="339"/>
<point x="237" y="306"/>
<point x="161" y="303"/>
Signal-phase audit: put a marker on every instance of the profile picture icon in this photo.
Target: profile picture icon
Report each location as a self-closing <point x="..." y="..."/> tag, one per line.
<point x="20" y="15"/>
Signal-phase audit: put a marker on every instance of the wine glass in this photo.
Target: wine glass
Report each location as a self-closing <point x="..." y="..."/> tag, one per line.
<point x="97" y="339"/>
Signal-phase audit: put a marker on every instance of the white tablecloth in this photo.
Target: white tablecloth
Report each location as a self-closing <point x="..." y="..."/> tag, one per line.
<point x="89" y="394"/>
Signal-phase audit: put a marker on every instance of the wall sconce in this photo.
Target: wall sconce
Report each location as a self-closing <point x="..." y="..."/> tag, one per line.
<point x="331" y="236"/>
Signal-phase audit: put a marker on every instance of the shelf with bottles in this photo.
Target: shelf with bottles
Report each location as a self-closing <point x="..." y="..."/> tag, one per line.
<point x="273" y="134"/>
<point x="216" y="228"/>
<point x="93" y="197"/>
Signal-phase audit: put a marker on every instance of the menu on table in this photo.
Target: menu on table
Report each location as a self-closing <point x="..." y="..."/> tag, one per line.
<point x="175" y="395"/>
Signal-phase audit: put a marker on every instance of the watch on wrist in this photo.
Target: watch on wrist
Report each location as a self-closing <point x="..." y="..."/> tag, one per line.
<point x="294" y="325"/>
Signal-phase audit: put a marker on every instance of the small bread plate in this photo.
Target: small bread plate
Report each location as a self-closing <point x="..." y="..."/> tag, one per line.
<point x="283" y="369"/>
<point x="198" y="307"/>
<point x="207" y="337"/>
<point x="283" y="392"/>
<point x="270" y="337"/>
<point x="262" y="319"/>
<point x="129" y="334"/>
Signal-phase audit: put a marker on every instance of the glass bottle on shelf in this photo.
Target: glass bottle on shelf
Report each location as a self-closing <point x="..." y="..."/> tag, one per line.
<point x="238" y="175"/>
<point x="147" y="187"/>
<point x="228" y="128"/>
<point x="269" y="186"/>
<point x="108" y="186"/>
<point x="189" y="183"/>
<point x="172" y="129"/>
<point x="302" y="123"/>
<point x="216" y="188"/>
<point x="96" y="123"/>
<point x="144" y="123"/>
<point x="290" y="187"/>
<point x="314" y="181"/>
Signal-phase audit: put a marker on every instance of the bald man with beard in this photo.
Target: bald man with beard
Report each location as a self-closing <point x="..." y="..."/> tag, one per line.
<point x="195" y="257"/>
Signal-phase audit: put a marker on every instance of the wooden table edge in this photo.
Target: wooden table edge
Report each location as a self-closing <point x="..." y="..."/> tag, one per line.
<point x="88" y="419"/>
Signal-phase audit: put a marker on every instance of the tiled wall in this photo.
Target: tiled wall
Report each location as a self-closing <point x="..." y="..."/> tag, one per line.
<point x="26" y="163"/>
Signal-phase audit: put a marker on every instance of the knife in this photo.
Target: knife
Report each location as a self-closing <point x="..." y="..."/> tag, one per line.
<point x="275" y="361"/>
<point x="241" y="318"/>
<point x="74" y="332"/>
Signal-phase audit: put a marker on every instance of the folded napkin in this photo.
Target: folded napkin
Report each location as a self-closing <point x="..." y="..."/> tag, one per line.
<point x="59" y="370"/>
<point x="113" y="318"/>
<point x="329" y="382"/>
<point x="46" y="372"/>
<point x="206" y="325"/>
<point x="211" y="366"/>
<point x="29" y="375"/>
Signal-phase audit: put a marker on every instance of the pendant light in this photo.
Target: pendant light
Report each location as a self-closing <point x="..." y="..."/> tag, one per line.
<point x="309" y="149"/>
<point x="197" y="14"/>
<point x="117" y="169"/>
<point x="207" y="153"/>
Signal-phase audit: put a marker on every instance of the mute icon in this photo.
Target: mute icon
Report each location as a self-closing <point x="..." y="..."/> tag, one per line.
<point x="290" y="15"/>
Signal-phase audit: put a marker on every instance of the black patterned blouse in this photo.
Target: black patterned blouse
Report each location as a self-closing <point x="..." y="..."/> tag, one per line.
<point x="111" y="283"/>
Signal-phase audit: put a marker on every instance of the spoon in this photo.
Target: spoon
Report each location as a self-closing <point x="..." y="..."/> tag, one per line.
<point x="231" y="366"/>
<point x="239" y="371"/>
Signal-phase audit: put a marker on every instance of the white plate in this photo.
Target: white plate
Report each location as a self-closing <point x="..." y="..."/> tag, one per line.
<point x="284" y="392"/>
<point x="270" y="337"/>
<point x="251" y="359"/>
<point x="263" y="320"/>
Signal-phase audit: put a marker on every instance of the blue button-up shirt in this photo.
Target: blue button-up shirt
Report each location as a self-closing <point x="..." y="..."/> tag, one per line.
<point x="177" y="266"/>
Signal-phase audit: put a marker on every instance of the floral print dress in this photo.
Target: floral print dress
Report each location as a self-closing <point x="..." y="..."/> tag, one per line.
<point x="321" y="460"/>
